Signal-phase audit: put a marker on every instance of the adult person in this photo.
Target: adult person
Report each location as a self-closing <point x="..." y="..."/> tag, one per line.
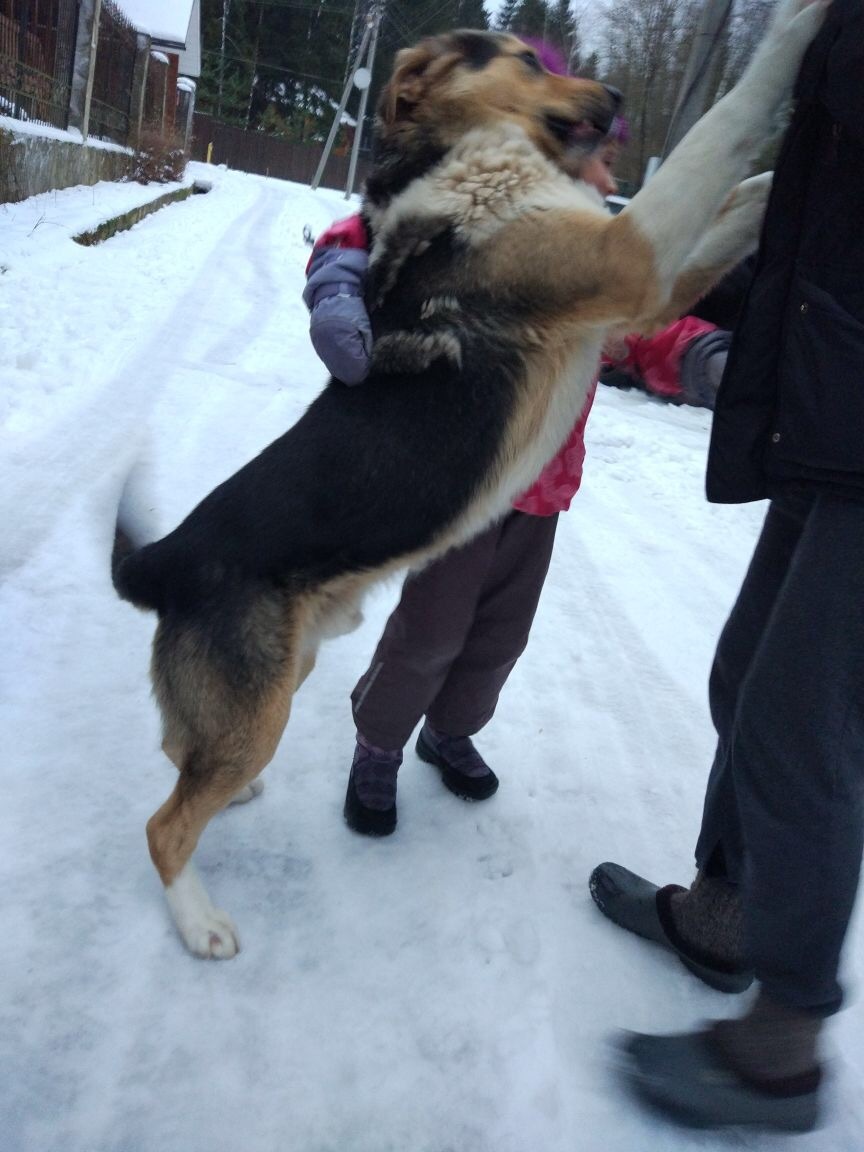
<point x="779" y="852"/>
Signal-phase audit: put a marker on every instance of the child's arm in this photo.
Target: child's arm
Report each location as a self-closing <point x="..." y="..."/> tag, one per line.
<point x="335" y="283"/>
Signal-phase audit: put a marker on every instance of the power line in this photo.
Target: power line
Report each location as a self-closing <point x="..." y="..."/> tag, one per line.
<point x="405" y="36"/>
<point x="433" y="16"/>
<point x="311" y="6"/>
<point x="261" y="64"/>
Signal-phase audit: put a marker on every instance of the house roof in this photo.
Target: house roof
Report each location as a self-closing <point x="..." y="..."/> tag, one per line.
<point x="171" y="24"/>
<point x="167" y="21"/>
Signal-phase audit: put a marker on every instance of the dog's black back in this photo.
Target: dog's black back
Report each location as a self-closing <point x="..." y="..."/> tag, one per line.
<point x="367" y="475"/>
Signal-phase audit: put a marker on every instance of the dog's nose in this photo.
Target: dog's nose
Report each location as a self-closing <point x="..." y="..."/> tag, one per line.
<point x="615" y="96"/>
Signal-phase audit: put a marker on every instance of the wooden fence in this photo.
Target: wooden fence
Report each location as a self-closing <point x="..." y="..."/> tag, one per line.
<point x="270" y="155"/>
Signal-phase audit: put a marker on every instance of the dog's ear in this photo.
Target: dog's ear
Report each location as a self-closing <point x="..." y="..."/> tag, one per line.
<point x="406" y="86"/>
<point x="410" y="78"/>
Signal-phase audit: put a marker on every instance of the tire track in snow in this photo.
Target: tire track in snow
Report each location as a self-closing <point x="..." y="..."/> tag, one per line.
<point x="261" y="271"/>
<point x="101" y="432"/>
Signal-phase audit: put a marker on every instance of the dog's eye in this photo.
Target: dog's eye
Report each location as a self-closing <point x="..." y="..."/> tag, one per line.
<point x="531" y="60"/>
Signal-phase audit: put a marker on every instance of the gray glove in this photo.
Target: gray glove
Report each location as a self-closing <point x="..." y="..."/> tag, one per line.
<point x="339" y="323"/>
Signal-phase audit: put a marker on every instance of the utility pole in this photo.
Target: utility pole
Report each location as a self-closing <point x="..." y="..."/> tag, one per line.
<point x="693" y="94"/>
<point x="226" y="8"/>
<point x="371" y="22"/>
<point x="364" y="99"/>
<point x="355" y="34"/>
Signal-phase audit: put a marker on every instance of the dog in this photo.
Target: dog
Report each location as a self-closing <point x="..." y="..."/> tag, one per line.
<point x="494" y="279"/>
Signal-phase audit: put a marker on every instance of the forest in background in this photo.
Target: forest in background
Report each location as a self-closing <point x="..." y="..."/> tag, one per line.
<point x="280" y="66"/>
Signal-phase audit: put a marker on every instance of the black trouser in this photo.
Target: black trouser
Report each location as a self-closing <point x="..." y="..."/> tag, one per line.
<point x="784" y="808"/>
<point x="457" y="632"/>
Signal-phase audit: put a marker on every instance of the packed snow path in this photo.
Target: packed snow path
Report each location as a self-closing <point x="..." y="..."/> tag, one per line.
<point x="450" y="989"/>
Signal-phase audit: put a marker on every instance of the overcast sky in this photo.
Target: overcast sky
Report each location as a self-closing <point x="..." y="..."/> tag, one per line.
<point x="585" y="12"/>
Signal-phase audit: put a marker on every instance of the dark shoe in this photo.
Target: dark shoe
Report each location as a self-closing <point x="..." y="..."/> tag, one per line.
<point x="643" y="908"/>
<point x="463" y="769"/>
<point x="686" y="1077"/>
<point x="617" y="378"/>
<point x="370" y="802"/>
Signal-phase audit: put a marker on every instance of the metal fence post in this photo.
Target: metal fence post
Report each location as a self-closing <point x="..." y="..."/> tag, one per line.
<point x="139" y="87"/>
<point x="84" y="65"/>
<point x="192" y="91"/>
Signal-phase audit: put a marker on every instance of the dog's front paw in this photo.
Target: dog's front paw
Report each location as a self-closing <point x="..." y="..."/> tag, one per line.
<point x="750" y="197"/>
<point x="755" y="187"/>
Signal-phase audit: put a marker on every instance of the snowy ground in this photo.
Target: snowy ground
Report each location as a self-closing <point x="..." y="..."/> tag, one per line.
<point x="451" y="989"/>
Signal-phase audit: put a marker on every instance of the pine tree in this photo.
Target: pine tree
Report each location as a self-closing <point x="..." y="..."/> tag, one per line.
<point x="291" y="56"/>
<point x="564" y="32"/>
<point x="531" y="18"/>
<point x="288" y="56"/>
<point x="506" y="13"/>
<point x="471" y="14"/>
<point x="590" y="67"/>
<point x="643" y="55"/>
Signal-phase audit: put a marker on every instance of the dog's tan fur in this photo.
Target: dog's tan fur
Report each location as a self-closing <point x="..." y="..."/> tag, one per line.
<point x="560" y="275"/>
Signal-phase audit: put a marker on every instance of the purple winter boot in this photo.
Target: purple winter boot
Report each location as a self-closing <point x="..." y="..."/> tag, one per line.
<point x="370" y="802"/>
<point x="463" y="769"/>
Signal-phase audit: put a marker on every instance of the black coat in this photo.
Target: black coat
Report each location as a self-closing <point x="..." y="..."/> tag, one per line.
<point x="722" y="305"/>
<point x="791" y="405"/>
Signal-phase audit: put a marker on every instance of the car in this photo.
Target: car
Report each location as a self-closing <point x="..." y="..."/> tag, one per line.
<point x="617" y="204"/>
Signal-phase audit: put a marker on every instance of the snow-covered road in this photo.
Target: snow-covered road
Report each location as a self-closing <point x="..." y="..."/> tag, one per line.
<point x="451" y="989"/>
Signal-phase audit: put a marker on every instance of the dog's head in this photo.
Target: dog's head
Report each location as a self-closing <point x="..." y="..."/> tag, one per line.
<point x="446" y="85"/>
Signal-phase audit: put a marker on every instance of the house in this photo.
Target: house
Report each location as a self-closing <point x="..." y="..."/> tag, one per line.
<point x="174" y="28"/>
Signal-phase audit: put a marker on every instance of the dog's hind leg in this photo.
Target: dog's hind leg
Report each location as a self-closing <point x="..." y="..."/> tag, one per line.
<point x="172" y="834"/>
<point x="212" y="775"/>
<point x="223" y="721"/>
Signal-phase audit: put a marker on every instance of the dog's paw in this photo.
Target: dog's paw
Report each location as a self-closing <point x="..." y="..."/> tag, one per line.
<point x="248" y="792"/>
<point x="206" y="931"/>
<point x="340" y="620"/>
<point x="215" y="939"/>
<point x="755" y="187"/>
<point x="750" y="197"/>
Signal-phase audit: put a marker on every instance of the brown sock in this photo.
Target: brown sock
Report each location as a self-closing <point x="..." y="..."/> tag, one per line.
<point x="707" y="917"/>
<point x="774" y="1046"/>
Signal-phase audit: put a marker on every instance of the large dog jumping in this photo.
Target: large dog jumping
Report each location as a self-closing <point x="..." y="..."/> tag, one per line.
<point x="494" y="280"/>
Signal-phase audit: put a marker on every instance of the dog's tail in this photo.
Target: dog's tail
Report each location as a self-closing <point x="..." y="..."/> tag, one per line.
<point x="126" y="571"/>
<point x="134" y="571"/>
